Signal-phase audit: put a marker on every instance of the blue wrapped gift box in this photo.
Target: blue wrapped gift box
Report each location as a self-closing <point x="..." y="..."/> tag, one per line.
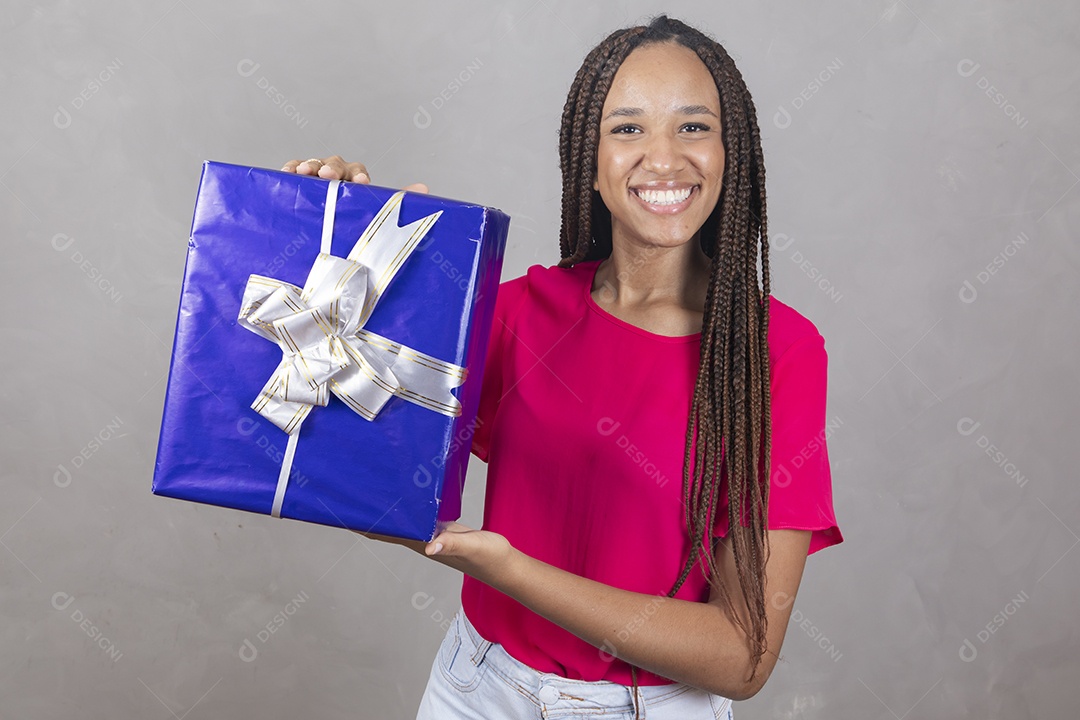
<point x="329" y="351"/>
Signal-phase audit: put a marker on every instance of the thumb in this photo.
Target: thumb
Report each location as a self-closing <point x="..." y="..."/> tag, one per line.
<point x="416" y="187"/>
<point x="448" y="542"/>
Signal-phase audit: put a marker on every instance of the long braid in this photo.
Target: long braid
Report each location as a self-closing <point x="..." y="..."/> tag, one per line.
<point x="729" y="426"/>
<point x="748" y="316"/>
<point x="748" y="320"/>
<point x="579" y="138"/>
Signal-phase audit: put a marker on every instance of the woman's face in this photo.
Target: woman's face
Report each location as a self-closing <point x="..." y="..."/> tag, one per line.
<point x="660" y="160"/>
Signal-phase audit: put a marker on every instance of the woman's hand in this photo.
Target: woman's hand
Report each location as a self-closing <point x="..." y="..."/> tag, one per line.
<point x="481" y="554"/>
<point x="335" y="168"/>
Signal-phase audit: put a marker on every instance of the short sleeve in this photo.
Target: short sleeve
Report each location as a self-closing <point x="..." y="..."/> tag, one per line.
<point x="800" y="489"/>
<point x="507" y="301"/>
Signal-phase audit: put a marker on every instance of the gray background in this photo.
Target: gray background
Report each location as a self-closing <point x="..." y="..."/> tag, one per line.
<point x="909" y="145"/>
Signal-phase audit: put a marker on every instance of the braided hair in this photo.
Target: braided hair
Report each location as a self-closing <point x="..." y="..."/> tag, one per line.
<point x="729" y="419"/>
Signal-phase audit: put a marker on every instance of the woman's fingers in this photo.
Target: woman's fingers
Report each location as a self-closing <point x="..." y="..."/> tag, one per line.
<point x="335" y="168"/>
<point x="329" y="168"/>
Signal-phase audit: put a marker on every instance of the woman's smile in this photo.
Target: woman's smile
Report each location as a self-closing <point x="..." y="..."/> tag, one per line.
<point x="665" y="198"/>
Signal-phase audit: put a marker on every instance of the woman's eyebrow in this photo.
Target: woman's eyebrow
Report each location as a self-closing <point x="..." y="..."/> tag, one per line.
<point x="624" y="112"/>
<point x="696" y="110"/>
<point x="635" y="111"/>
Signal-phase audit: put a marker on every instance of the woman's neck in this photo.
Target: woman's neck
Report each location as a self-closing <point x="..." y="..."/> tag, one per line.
<point x="638" y="278"/>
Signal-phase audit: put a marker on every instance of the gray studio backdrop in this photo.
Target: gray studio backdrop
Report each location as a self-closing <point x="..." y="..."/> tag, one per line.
<point x="922" y="172"/>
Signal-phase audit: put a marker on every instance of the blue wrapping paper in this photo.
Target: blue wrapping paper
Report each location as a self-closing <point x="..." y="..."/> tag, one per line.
<point x="400" y="474"/>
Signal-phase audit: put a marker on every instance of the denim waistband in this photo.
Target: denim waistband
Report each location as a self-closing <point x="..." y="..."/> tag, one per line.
<point x="554" y="691"/>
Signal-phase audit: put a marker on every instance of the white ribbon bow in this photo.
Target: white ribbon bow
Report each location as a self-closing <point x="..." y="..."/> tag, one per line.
<point x="324" y="346"/>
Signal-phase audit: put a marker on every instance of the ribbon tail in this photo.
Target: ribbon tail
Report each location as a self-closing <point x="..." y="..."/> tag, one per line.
<point x="288" y="416"/>
<point x="384" y="247"/>
<point x="424" y="380"/>
<point x="283" y="475"/>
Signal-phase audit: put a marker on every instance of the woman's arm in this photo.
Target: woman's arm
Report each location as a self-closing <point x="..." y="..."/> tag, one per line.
<point x="691" y="642"/>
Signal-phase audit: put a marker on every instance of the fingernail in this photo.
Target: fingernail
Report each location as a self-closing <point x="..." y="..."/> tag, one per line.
<point x="438" y="547"/>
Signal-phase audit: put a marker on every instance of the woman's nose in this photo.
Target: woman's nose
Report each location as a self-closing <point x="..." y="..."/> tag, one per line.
<point x="662" y="155"/>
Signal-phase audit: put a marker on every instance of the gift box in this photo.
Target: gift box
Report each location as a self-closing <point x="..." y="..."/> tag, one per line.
<point x="329" y="351"/>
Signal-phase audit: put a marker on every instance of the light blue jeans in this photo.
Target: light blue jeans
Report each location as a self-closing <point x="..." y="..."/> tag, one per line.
<point x="474" y="678"/>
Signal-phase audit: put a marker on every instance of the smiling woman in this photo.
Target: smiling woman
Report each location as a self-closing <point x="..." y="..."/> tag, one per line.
<point x="596" y="586"/>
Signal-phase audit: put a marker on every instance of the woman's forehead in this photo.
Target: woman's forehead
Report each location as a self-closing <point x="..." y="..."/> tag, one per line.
<point x="662" y="75"/>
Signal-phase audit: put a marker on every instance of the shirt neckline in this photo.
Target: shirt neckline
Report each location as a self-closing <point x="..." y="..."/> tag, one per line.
<point x="590" y="276"/>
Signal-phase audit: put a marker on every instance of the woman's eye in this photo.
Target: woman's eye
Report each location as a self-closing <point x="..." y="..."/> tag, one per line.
<point x="700" y="127"/>
<point x="624" y="129"/>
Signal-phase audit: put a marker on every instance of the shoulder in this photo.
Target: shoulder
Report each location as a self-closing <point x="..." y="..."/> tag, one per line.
<point x="547" y="283"/>
<point x="555" y="278"/>
<point x="788" y="328"/>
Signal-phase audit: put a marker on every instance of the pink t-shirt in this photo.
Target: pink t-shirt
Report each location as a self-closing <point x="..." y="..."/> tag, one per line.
<point x="582" y="422"/>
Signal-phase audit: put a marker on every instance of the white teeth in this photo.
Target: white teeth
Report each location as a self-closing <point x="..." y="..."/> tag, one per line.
<point x="664" y="197"/>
